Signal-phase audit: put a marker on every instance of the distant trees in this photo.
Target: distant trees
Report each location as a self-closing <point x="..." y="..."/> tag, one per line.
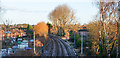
<point x="61" y="17"/>
<point x="29" y="31"/>
<point x="50" y="26"/>
<point x="7" y="24"/>
<point x="41" y="29"/>
<point x="29" y="27"/>
<point x="93" y="28"/>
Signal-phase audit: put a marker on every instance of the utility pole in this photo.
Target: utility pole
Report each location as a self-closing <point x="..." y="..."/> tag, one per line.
<point x="34" y="41"/>
<point x="81" y="43"/>
<point x="74" y="38"/>
<point x="74" y="35"/>
<point x="44" y="42"/>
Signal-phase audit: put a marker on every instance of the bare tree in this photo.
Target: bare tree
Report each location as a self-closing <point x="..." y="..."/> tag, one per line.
<point x="62" y="16"/>
<point x="107" y="15"/>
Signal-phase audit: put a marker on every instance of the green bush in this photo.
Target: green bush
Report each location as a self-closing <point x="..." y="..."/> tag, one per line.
<point x="72" y="39"/>
<point x="76" y="37"/>
<point x="63" y="34"/>
<point x="78" y="42"/>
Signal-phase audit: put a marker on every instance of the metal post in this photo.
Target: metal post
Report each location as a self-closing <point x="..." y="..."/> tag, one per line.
<point x="81" y="43"/>
<point x="74" y="38"/>
<point x="34" y="41"/>
<point x="44" y="43"/>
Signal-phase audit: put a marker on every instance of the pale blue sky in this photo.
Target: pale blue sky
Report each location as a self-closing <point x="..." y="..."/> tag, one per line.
<point x="34" y="11"/>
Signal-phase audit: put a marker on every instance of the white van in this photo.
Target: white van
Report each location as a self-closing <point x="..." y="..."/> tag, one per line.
<point x="14" y="48"/>
<point x="22" y="46"/>
<point x="25" y="42"/>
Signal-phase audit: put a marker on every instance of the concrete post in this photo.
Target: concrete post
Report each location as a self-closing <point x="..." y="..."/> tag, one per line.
<point x="74" y="38"/>
<point x="81" y="43"/>
<point x="34" y="41"/>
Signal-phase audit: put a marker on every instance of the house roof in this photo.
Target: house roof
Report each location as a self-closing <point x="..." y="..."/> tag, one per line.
<point x="71" y="31"/>
<point x="82" y="30"/>
<point x="7" y="32"/>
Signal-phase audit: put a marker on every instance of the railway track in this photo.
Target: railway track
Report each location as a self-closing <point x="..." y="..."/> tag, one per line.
<point x="49" y="48"/>
<point x="65" y="53"/>
<point x="58" y="47"/>
<point x="54" y="52"/>
<point x="69" y="49"/>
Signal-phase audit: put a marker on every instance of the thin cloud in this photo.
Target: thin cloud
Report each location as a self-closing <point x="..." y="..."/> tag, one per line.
<point x="28" y="1"/>
<point x="23" y="10"/>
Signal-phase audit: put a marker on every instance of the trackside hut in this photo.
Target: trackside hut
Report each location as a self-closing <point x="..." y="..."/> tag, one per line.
<point x="83" y="32"/>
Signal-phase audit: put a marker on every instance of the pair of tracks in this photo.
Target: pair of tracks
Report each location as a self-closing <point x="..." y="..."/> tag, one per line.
<point x="58" y="47"/>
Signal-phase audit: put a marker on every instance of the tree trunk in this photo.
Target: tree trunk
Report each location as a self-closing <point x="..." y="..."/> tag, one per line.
<point x="117" y="44"/>
<point x="104" y="29"/>
<point x="118" y="39"/>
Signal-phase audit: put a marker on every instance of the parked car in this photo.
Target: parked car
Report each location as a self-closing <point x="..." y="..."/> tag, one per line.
<point x="32" y="40"/>
<point x="19" y="40"/>
<point x="10" y="51"/>
<point x="23" y="46"/>
<point x="25" y="42"/>
<point x="14" y="48"/>
<point x="4" y="52"/>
